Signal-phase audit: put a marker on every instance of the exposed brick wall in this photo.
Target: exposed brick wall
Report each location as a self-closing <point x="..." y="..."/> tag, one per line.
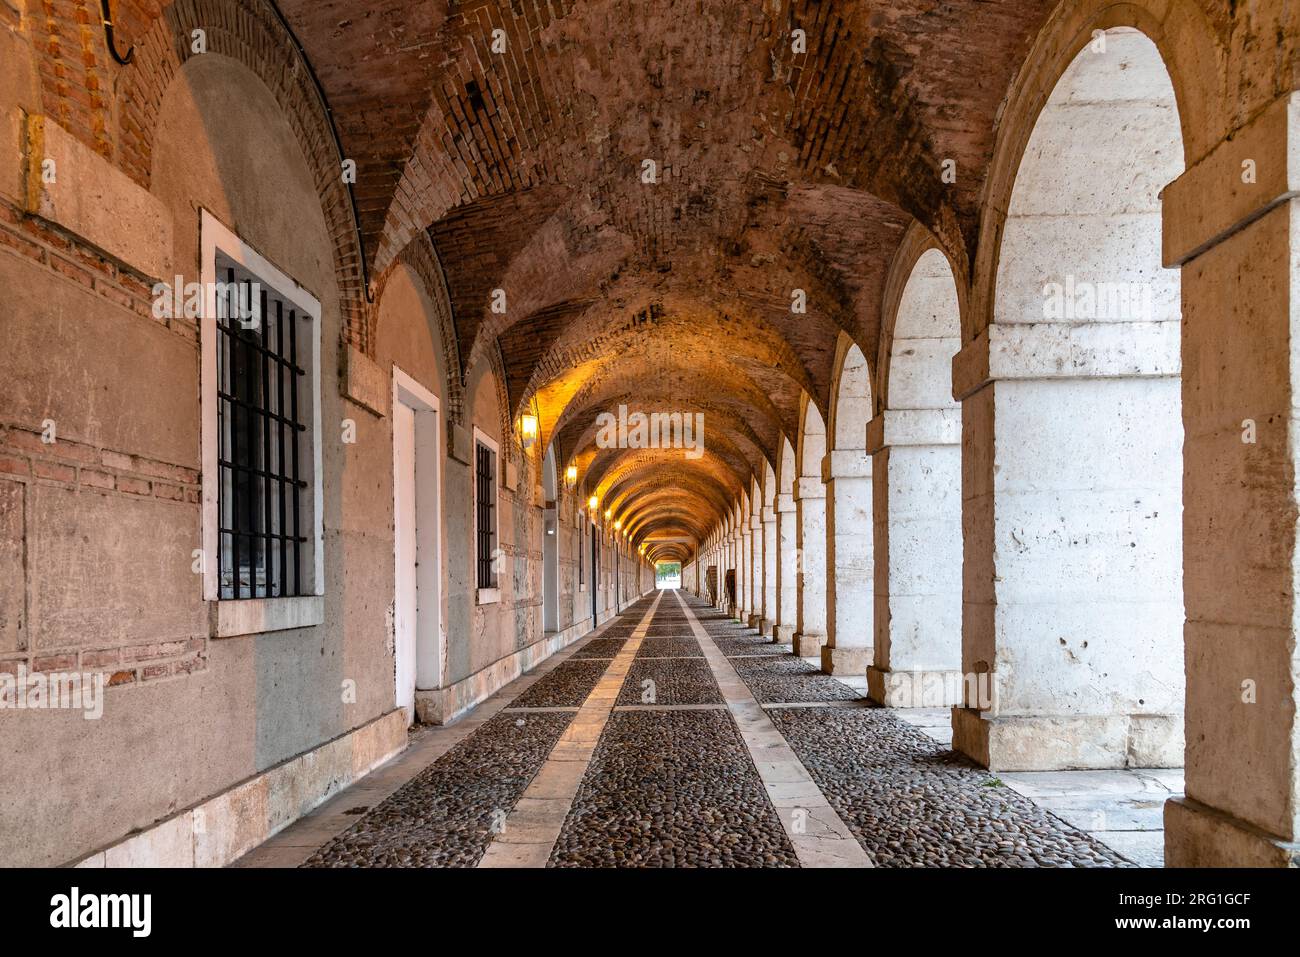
<point x="25" y="457"/>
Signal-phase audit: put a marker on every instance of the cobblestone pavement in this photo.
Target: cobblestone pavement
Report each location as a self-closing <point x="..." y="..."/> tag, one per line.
<point x="910" y="802"/>
<point x="446" y="815"/>
<point x="789" y="679"/>
<point x="672" y="789"/>
<point x="673" y="782"/>
<point x="671" y="681"/>
<point x="565" y="687"/>
<point x="684" y="647"/>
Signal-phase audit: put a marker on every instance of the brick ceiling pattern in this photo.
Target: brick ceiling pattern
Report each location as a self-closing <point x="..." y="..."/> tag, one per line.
<point x="514" y="134"/>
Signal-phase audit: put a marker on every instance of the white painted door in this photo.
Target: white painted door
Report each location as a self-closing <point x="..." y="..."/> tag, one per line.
<point x="417" y="527"/>
<point x="406" y="604"/>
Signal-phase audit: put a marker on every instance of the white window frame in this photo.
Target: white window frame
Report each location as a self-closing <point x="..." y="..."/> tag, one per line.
<point x="487" y="596"/>
<point x="251" y="616"/>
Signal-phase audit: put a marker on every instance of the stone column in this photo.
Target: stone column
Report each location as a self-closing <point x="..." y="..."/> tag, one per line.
<point x="769" y="571"/>
<point x="1238" y="246"/>
<point x="1072" y="601"/>
<point x="810" y="503"/>
<point x="742" y="572"/>
<point x="916" y="465"/>
<point x="850" y="578"/>
<point x="755" y="616"/>
<point x="787" y="570"/>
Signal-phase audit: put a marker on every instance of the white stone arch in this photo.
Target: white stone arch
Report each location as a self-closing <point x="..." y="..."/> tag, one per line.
<point x="914" y="442"/>
<point x="847" y="471"/>
<point x="787" y="545"/>
<point x="810" y="520"/>
<point x="812" y="439"/>
<point x="851" y="408"/>
<point x="1072" y="432"/>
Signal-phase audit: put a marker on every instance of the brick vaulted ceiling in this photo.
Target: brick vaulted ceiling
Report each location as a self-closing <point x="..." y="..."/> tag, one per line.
<point x="776" y="169"/>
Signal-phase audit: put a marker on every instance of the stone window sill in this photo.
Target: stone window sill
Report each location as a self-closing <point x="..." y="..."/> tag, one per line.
<point x="489" y="596"/>
<point x="256" y="616"/>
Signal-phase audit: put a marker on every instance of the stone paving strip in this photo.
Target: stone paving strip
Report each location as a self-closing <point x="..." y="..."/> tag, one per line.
<point x="819" y="837"/>
<point x="672" y="789"/>
<point x="532" y="827"/>
<point x="912" y="802"/>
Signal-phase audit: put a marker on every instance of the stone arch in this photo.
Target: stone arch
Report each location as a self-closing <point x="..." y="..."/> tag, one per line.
<point x="421" y="259"/>
<point x="850" y="397"/>
<point x="1194" y="57"/>
<point x="251" y="33"/>
<point x="810" y="518"/>
<point x="1076" y="426"/>
<point x="914" y="442"/>
<point x="848" y="516"/>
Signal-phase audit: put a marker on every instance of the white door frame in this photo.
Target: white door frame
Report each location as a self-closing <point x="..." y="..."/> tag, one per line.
<point x="425" y="516"/>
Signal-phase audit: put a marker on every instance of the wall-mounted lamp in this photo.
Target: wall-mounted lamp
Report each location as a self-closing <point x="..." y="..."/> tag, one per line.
<point x="609" y="513"/>
<point x="617" y="525"/>
<point x="571" y="476"/>
<point x="593" y="504"/>
<point x="528" y="429"/>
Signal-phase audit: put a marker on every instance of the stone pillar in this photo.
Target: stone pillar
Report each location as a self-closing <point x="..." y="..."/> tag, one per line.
<point x="916" y="465"/>
<point x="744" y="574"/>
<point x="850" y="578"/>
<point x="787" y="570"/>
<point x="1072" y="595"/>
<point x="755" y="618"/>
<point x="768" y="569"/>
<point x="1238" y="247"/>
<point x="810" y="505"/>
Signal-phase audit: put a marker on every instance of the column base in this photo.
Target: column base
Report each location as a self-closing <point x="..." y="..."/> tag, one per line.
<point x="753" y="621"/>
<point x="782" y="634"/>
<point x="845" y="661"/>
<point x="914" y="689"/>
<point x="1044" y="742"/>
<point x="765" y="626"/>
<point x="809" y="646"/>
<point x="1197" y="835"/>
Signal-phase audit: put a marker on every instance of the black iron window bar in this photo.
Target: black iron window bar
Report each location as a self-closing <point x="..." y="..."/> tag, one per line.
<point x="485" y="476"/>
<point x="260" y="436"/>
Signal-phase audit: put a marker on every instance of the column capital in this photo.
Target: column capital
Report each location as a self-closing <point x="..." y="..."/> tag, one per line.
<point x="846" y="463"/>
<point x="769" y="514"/>
<point x="914" y="427"/>
<point x="1216" y="197"/>
<point x="1066" y="350"/>
<point x="809" y="488"/>
<point x="784" y="503"/>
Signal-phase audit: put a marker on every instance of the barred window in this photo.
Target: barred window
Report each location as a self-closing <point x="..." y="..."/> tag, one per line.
<point x="262" y="501"/>
<point x="260" y="436"/>
<point x="485" y="512"/>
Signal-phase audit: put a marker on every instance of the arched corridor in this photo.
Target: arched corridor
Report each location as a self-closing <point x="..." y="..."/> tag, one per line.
<point x="607" y="433"/>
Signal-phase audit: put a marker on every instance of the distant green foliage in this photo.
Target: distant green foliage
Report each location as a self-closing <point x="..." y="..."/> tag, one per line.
<point x="667" y="570"/>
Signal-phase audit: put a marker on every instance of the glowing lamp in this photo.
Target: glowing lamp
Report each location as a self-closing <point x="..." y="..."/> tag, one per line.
<point x="571" y="476"/>
<point x="593" y="503"/>
<point x="528" y="429"/>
